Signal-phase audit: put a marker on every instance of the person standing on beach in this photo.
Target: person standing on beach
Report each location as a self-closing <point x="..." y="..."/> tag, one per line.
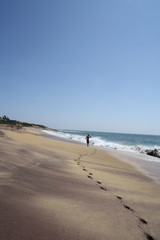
<point x="87" y="139"/>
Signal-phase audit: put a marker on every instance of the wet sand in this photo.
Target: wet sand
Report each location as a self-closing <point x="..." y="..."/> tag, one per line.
<point x="148" y="165"/>
<point x="51" y="189"/>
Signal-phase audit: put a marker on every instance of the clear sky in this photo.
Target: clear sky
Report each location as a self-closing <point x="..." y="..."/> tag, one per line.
<point x="81" y="64"/>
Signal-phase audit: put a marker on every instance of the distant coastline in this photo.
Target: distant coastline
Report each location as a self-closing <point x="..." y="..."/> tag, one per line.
<point x="15" y="123"/>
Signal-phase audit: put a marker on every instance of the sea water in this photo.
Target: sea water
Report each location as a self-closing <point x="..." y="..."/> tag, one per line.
<point x="120" y="141"/>
<point x="130" y="147"/>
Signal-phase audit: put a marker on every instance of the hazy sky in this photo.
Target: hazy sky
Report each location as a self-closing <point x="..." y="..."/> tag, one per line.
<point x="81" y="64"/>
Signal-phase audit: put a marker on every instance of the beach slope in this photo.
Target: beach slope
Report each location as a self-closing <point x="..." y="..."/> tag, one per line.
<point x="57" y="190"/>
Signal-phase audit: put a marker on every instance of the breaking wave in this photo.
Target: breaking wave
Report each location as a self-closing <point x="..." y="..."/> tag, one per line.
<point x="123" y="142"/>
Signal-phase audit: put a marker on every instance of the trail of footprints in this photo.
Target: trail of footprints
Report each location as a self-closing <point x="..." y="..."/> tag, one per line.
<point x="141" y="222"/>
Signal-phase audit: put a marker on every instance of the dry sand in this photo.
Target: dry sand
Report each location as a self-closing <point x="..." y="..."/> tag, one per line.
<point x="56" y="190"/>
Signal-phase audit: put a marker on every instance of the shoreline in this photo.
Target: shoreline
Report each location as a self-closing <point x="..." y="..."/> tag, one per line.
<point x="43" y="181"/>
<point x="150" y="145"/>
<point x="147" y="165"/>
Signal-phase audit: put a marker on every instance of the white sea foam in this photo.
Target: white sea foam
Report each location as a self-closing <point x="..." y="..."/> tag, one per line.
<point x="99" y="142"/>
<point x="65" y="135"/>
<point x="135" y="155"/>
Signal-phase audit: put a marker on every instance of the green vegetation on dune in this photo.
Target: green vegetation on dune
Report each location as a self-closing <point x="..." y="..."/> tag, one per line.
<point x="6" y="120"/>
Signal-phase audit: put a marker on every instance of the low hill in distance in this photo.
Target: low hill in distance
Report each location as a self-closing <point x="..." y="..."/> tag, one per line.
<point x="6" y="121"/>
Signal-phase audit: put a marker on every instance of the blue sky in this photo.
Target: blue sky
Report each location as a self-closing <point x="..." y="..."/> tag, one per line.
<point x="81" y="64"/>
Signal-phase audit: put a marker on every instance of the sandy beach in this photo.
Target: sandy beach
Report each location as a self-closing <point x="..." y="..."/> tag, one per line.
<point x="51" y="189"/>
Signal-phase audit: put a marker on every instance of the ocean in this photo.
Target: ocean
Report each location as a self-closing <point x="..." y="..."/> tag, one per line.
<point x="129" y="147"/>
<point x="120" y="141"/>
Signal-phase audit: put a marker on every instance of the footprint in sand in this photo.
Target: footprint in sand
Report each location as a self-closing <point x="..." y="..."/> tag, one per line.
<point x="90" y="177"/>
<point x="120" y="198"/>
<point x="143" y="221"/>
<point x="103" y="188"/>
<point x="148" y="236"/>
<point x="127" y="207"/>
<point x="99" y="182"/>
